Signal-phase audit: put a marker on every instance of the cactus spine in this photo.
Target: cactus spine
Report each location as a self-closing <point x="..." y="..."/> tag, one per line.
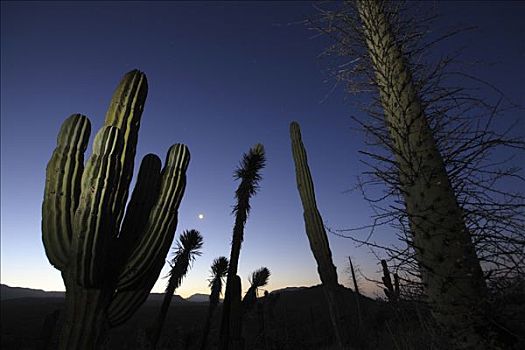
<point x="108" y="268"/>
<point x="450" y="270"/>
<point x="318" y="240"/>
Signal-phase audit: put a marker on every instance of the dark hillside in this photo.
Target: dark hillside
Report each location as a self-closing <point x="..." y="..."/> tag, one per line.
<point x="288" y="319"/>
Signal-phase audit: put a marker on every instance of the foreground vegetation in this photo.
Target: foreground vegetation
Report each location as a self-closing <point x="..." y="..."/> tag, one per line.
<point x="293" y="319"/>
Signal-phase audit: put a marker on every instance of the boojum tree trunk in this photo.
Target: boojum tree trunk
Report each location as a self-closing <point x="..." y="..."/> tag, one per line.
<point x="452" y="276"/>
<point x="318" y="240"/>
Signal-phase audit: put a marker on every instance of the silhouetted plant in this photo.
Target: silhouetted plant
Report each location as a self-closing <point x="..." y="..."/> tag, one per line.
<point x="431" y="143"/>
<point x="249" y="174"/>
<point x="108" y="268"/>
<point x="391" y="290"/>
<point x="188" y="248"/>
<point x="357" y="294"/>
<point x="219" y="268"/>
<point x="258" y="279"/>
<point x="318" y="240"/>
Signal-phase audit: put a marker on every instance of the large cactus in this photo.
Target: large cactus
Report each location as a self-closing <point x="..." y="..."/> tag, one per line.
<point x="318" y="240"/>
<point x="109" y="261"/>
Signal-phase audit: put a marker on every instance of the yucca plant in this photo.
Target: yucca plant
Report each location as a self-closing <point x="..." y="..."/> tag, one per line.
<point x="188" y="248"/>
<point x="258" y="279"/>
<point x="249" y="174"/>
<point x="219" y="268"/>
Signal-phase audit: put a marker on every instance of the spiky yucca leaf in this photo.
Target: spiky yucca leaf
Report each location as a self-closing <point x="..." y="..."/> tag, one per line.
<point x="258" y="279"/>
<point x="219" y="268"/>
<point x="190" y="242"/>
<point x="249" y="172"/>
<point x="188" y="247"/>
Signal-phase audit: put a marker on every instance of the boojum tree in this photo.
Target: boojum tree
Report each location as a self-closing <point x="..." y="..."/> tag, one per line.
<point x="416" y="171"/>
<point x="451" y="273"/>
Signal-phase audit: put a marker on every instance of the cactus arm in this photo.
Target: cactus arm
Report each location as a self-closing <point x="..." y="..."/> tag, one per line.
<point x="126" y="302"/>
<point x="125" y="112"/>
<point x="142" y="200"/>
<point x="94" y="222"/>
<point x="62" y="190"/>
<point x="160" y="228"/>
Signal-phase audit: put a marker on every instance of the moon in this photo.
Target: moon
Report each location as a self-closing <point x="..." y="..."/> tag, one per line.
<point x="200" y="216"/>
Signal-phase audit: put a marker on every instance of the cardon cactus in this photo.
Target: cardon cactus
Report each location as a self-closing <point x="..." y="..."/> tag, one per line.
<point x="109" y="261"/>
<point x="318" y="240"/>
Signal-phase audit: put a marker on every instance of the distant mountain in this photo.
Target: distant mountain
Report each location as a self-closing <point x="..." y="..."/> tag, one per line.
<point x="289" y="289"/>
<point x="158" y="297"/>
<point x="199" y="298"/>
<point x="7" y="292"/>
<point x="204" y="298"/>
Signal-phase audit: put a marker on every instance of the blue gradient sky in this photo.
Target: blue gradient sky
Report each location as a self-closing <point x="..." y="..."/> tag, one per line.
<point x="222" y="76"/>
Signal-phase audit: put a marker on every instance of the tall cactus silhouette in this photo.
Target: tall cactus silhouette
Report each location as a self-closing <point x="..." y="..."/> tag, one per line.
<point x="318" y="240"/>
<point x="235" y="340"/>
<point x="249" y="174"/>
<point x="109" y="261"/>
<point x="451" y="272"/>
<point x="219" y="268"/>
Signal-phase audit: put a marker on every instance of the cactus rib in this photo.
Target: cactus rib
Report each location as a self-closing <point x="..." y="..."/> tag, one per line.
<point x="125" y="112"/>
<point x="162" y="221"/>
<point x="61" y="194"/>
<point x="94" y="221"/>
<point x="318" y="240"/>
<point x="313" y="221"/>
<point x="142" y="200"/>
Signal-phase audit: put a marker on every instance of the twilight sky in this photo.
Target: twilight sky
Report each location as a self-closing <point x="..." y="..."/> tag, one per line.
<point x="222" y="77"/>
